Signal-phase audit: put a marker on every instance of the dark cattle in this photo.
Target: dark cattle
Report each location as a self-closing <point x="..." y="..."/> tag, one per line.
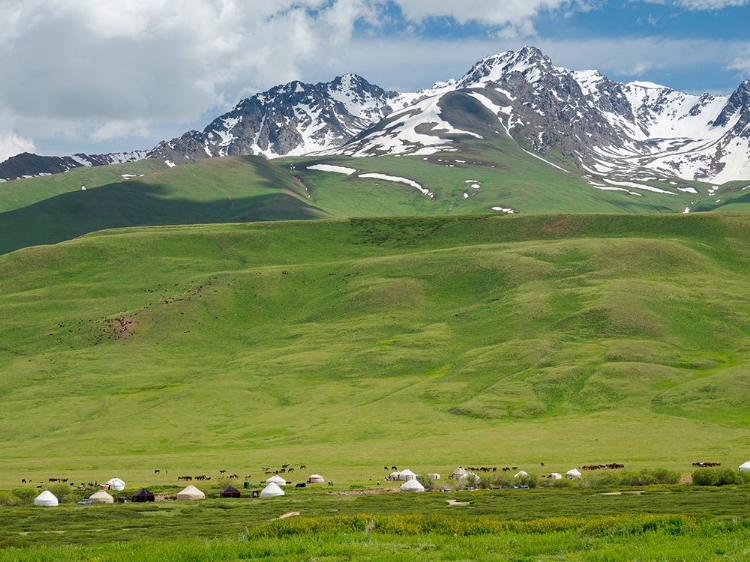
<point x="222" y="471"/>
<point x="706" y="464"/>
<point x="23" y="480"/>
<point x="300" y="485"/>
<point x="233" y="476"/>
<point x="394" y="468"/>
<point x="290" y="470"/>
<point x="302" y="466"/>
<point x="157" y="471"/>
<point x="282" y="471"/>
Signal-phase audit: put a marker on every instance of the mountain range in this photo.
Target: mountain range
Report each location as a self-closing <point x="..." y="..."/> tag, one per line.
<point x="618" y="136"/>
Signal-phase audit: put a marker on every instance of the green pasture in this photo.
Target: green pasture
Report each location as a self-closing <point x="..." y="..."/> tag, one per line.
<point x="351" y="345"/>
<point x="656" y="523"/>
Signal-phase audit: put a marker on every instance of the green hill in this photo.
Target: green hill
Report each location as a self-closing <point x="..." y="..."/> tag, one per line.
<point x="354" y="343"/>
<point x="486" y="175"/>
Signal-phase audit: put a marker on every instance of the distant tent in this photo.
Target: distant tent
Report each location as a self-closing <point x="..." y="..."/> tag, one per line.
<point x="393" y="476"/>
<point x="434" y="476"/>
<point x="412" y="485"/>
<point x="46" y="499"/>
<point x="316" y="479"/>
<point x="521" y="474"/>
<point x="573" y="473"/>
<point x="745" y="467"/>
<point x="143" y="495"/>
<point x="230" y="492"/>
<point x="276" y="480"/>
<point x="406" y="475"/>
<point x="101" y="497"/>
<point x="460" y="472"/>
<point x="556" y="476"/>
<point x="271" y="491"/>
<point x="116" y="484"/>
<point x="191" y="493"/>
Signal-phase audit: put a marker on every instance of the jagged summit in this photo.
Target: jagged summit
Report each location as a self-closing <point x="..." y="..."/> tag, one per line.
<point x="612" y="131"/>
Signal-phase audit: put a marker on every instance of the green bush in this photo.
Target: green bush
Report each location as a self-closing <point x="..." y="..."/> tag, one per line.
<point x="719" y="477"/>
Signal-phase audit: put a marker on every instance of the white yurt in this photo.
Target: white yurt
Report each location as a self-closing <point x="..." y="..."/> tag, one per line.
<point x="573" y="473"/>
<point x="460" y="472"/>
<point x="745" y="467"/>
<point x="116" y="484"/>
<point x="393" y="476"/>
<point x="412" y="486"/>
<point x="278" y="480"/>
<point x="271" y="491"/>
<point x="191" y="493"/>
<point x="434" y="476"/>
<point x="406" y="475"/>
<point x="101" y="497"/>
<point x="315" y="479"/>
<point x="521" y="474"/>
<point x="556" y="476"/>
<point x="46" y="499"/>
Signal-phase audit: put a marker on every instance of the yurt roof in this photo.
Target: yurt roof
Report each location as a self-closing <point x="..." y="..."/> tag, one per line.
<point x="460" y="471"/>
<point x="271" y="491"/>
<point x="191" y="492"/>
<point x="407" y="472"/>
<point x="101" y="497"/>
<point x="46" y="499"/>
<point x="412" y="486"/>
<point x="143" y="492"/>
<point x="556" y="476"/>
<point x="316" y="477"/>
<point x="521" y="474"/>
<point x="574" y="472"/>
<point x="230" y="489"/>
<point x="116" y="484"/>
<point x="277" y="480"/>
<point x="745" y="466"/>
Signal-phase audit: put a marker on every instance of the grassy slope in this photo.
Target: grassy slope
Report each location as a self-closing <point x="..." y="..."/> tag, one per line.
<point x="349" y="344"/>
<point x="212" y="191"/>
<point x="21" y="193"/>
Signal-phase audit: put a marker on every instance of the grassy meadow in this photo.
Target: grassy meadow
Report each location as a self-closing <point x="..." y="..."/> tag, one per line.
<point x="350" y="345"/>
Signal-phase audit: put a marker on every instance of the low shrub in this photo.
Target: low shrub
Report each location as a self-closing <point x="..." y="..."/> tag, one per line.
<point x="719" y="477"/>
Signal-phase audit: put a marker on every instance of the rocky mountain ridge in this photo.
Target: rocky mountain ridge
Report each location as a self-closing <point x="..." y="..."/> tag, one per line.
<point x="614" y="133"/>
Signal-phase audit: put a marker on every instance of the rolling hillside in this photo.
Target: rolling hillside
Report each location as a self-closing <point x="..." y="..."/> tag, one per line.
<point x="353" y="343"/>
<point x="492" y="175"/>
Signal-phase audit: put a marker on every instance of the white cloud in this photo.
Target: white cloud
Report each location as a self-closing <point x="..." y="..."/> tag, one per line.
<point x="108" y="71"/>
<point x="698" y="5"/>
<point x="11" y="144"/>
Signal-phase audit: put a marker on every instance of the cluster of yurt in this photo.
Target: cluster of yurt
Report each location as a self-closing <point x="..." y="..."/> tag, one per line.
<point x="403" y="476"/>
<point x="272" y="490"/>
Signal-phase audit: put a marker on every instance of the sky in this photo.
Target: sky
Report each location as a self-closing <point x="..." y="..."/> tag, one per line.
<point x="101" y="76"/>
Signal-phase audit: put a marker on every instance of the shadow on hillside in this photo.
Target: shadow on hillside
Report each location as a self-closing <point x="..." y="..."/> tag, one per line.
<point x="132" y="204"/>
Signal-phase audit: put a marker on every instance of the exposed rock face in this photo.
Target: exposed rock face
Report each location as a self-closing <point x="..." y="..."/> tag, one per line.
<point x="287" y="120"/>
<point x="29" y="165"/>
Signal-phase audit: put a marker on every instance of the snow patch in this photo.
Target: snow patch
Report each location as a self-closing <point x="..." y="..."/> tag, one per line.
<point x="334" y="169"/>
<point x="397" y="179"/>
